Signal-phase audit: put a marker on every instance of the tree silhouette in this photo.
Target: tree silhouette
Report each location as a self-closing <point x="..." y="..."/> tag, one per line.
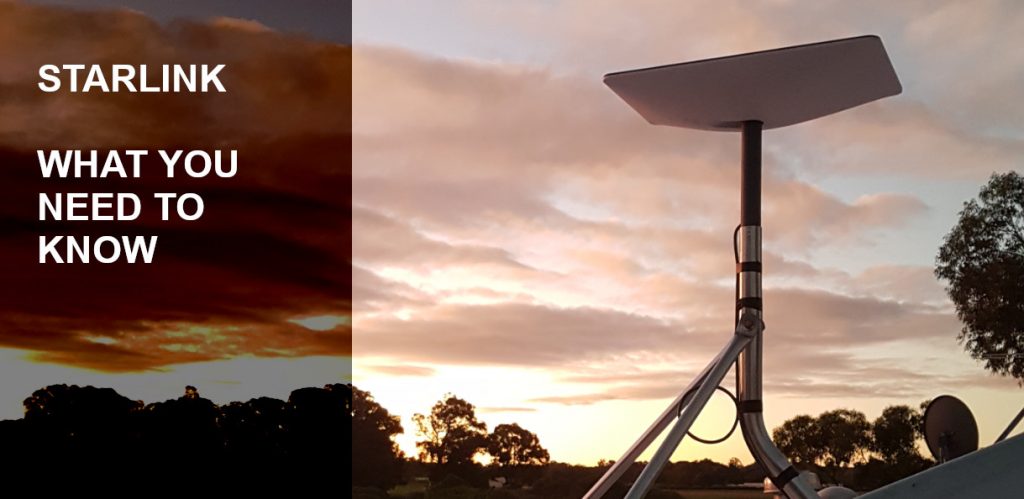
<point x="378" y="461"/>
<point x="833" y="440"/>
<point x="982" y="259"/>
<point x="254" y="428"/>
<point x="512" y="445"/>
<point x="843" y="435"/>
<point x="182" y="429"/>
<point x="96" y="431"/>
<point x="73" y="422"/>
<point x="318" y="435"/>
<point x="798" y="438"/>
<point x="319" y="422"/>
<point x="452" y="434"/>
<point x="894" y="434"/>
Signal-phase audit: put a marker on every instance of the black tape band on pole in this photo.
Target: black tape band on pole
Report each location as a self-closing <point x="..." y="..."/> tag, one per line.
<point x="785" y="477"/>
<point x="754" y="405"/>
<point x="754" y="303"/>
<point x="748" y="267"/>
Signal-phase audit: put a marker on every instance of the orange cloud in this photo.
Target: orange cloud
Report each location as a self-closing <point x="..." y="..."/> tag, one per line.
<point x="274" y="244"/>
<point x="602" y="241"/>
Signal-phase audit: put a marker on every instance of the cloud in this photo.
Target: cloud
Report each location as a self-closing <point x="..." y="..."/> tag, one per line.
<point x="515" y="334"/>
<point x="507" y="409"/>
<point x="385" y="239"/>
<point x="540" y="159"/>
<point x="273" y="244"/>
<point x="263" y="71"/>
<point x="400" y="370"/>
<point x="944" y="125"/>
<point x="910" y="283"/>
<point x="239" y="24"/>
<point x="806" y="330"/>
<point x="541" y="224"/>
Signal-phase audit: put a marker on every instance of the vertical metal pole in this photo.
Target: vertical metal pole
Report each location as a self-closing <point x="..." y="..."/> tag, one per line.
<point x="750" y="174"/>
<point x="748" y="268"/>
<point x="749" y="303"/>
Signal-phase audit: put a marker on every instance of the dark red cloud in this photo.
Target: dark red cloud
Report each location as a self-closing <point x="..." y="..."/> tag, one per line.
<point x="274" y="243"/>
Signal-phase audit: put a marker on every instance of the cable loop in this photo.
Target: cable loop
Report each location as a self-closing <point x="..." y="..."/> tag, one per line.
<point x="735" y="422"/>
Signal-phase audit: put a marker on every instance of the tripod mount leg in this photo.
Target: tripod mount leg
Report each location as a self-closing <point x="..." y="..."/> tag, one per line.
<point x="745" y="349"/>
<point x="746" y="330"/>
<point x="620" y="466"/>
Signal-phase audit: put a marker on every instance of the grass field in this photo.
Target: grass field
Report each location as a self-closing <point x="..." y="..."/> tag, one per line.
<point x="721" y="494"/>
<point x="407" y="489"/>
<point x="414" y="488"/>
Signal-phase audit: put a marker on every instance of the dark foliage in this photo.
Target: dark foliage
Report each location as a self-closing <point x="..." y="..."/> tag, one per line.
<point x="895" y="433"/>
<point x="797" y="438"/>
<point x="564" y="480"/>
<point x="693" y="474"/>
<point x="452" y="434"/>
<point x="842" y="447"/>
<point x="982" y="259"/>
<point x="513" y="445"/>
<point x="377" y="459"/>
<point x="311" y="438"/>
<point x="92" y="431"/>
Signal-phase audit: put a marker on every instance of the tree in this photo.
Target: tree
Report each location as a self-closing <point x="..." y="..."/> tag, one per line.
<point x="843" y="435"/>
<point x="255" y="428"/>
<point x="452" y="434"/>
<point x="894" y="434"/>
<point x="833" y="440"/>
<point x="319" y="422"/>
<point x="74" y="422"/>
<point x="376" y="459"/>
<point x="982" y="259"/>
<point x="512" y="445"/>
<point x="798" y="439"/>
<point x="87" y="430"/>
<point x="186" y="428"/>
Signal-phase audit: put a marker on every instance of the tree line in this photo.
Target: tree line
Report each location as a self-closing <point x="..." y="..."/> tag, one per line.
<point x="841" y="446"/>
<point x="81" y="427"/>
<point x="451" y="439"/>
<point x="100" y="433"/>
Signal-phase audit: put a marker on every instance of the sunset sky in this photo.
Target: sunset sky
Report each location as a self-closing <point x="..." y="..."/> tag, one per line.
<point x="520" y="236"/>
<point x="250" y="300"/>
<point x="526" y="241"/>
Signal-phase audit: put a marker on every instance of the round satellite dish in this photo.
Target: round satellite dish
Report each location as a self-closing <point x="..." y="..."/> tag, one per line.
<point x="949" y="428"/>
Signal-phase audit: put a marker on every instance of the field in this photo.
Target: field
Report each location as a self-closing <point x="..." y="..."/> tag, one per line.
<point x="721" y="494"/>
<point x="408" y="489"/>
<point x="417" y="489"/>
